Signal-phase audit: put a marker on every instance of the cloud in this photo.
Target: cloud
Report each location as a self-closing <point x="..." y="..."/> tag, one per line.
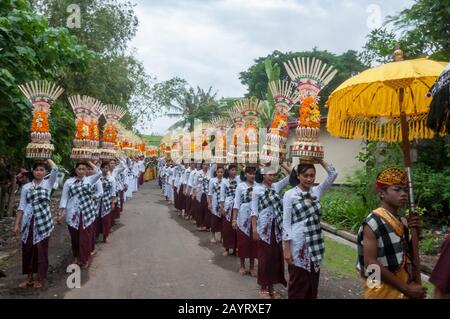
<point x="208" y="42"/>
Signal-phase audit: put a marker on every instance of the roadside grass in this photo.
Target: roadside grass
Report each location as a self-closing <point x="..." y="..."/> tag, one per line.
<point x="340" y="259"/>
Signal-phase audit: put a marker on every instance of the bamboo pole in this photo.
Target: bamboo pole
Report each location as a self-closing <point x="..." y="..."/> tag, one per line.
<point x="412" y="207"/>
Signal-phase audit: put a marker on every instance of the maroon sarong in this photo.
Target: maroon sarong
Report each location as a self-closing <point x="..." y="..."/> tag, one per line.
<point x="247" y="247"/>
<point x="122" y="202"/>
<point x="35" y="257"/>
<point x="196" y="211"/>
<point x="141" y="179"/>
<point x="228" y="234"/>
<point x="270" y="262"/>
<point x="181" y="198"/>
<point x="81" y="241"/>
<point x="302" y="283"/>
<point x="104" y="223"/>
<point x="204" y="214"/>
<point x="216" y="223"/>
<point x="188" y="205"/>
<point x="175" y="198"/>
<point x="94" y="232"/>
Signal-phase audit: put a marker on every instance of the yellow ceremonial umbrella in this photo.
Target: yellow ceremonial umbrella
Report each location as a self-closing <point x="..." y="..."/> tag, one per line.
<point x="387" y="103"/>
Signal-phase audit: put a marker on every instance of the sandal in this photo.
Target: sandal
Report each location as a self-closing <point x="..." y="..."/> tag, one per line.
<point x="213" y="241"/>
<point x="265" y="294"/>
<point x="243" y="271"/>
<point x="225" y="254"/>
<point x="253" y="273"/>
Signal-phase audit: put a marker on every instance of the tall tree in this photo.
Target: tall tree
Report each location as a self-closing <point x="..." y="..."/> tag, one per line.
<point x="31" y="50"/>
<point x="192" y="104"/>
<point x="421" y="30"/>
<point x="116" y="76"/>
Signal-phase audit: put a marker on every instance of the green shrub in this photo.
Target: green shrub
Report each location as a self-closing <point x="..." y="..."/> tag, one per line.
<point x="343" y="209"/>
<point x="429" y="244"/>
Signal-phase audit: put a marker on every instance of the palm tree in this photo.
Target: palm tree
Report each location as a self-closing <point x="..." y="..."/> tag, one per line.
<point x="191" y="105"/>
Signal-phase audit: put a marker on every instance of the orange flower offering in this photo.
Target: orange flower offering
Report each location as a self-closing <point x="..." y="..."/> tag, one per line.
<point x="93" y="131"/>
<point x="82" y="130"/>
<point x="40" y="122"/>
<point x="109" y="134"/>
<point x="309" y="113"/>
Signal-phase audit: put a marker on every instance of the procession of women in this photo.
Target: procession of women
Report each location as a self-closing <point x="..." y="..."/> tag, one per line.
<point x="257" y="196"/>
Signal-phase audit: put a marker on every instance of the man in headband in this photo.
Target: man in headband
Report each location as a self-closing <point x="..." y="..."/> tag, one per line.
<point x="384" y="246"/>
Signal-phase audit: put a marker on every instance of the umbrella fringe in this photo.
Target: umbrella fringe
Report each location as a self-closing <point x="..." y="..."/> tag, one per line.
<point x="373" y="129"/>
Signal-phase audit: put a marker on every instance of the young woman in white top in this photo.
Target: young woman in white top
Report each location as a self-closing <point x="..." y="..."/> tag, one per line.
<point x="34" y="223"/>
<point x="302" y="234"/>
<point x="77" y="204"/>
<point x="215" y="185"/>
<point x="267" y="216"/>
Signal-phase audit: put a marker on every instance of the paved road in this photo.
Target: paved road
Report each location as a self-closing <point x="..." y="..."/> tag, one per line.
<point x="156" y="254"/>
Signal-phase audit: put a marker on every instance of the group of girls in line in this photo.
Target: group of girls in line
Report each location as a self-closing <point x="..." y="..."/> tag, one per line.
<point x="253" y="220"/>
<point x="91" y="202"/>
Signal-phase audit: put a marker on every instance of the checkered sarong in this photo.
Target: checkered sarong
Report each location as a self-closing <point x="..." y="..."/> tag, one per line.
<point x="307" y="209"/>
<point x="107" y="195"/>
<point x="271" y="198"/>
<point x="86" y="204"/>
<point x="39" y="198"/>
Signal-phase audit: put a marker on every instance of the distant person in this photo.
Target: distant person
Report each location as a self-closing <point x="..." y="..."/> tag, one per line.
<point x="440" y="277"/>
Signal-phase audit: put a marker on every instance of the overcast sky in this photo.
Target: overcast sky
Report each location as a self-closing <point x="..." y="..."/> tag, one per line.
<point x="208" y="42"/>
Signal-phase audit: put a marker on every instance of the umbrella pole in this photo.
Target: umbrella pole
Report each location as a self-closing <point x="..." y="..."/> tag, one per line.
<point x="412" y="208"/>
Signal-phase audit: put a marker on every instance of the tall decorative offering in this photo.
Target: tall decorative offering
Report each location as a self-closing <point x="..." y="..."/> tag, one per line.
<point x="82" y="143"/>
<point x="112" y="114"/>
<point x="310" y="76"/>
<point x="236" y="148"/>
<point x="221" y="124"/>
<point x="97" y="109"/>
<point x="42" y="95"/>
<point x="249" y="109"/>
<point x="275" y="142"/>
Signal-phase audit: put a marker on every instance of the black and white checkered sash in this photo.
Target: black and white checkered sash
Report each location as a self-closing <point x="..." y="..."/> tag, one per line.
<point x="307" y="208"/>
<point x="247" y="196"/>
<point x="94" y="196"/>
<point x="231" y="189"/>
<point x="107" y="194"/>
<point x="216" y="188"/>
<point x="204" y="182"/>
<point x="271" y="198"/>
<point x="39" y="198"/>
<point x="216" y="192"/>
<point x="86" y="206"/>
